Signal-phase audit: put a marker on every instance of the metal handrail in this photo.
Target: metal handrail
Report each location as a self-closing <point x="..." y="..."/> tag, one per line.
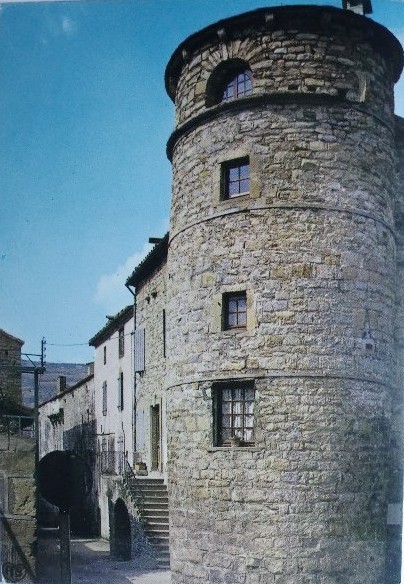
<point x="136" y="494"/>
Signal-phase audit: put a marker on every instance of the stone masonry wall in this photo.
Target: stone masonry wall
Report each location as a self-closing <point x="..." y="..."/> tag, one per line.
<point x="314" y="246"/>
<point x="150" y="304"/>
<point x="310" y="54"/>
<point x="10" y="356"/>
<point x="17" y="509"/>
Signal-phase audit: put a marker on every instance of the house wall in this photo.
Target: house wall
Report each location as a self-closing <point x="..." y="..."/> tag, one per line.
<point x="17" y="507"/>
<point x="114" y="426"/>
<point x="314" y="246"/>
<point x="150" y="307"/>
<point x="67" y="422"/>
<point x="10" y="355"/>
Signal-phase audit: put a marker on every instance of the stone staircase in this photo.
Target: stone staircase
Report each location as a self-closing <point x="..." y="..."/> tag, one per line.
<point x="153" y="498"/>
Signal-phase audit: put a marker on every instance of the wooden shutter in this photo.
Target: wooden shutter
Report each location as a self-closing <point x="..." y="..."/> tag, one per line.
<point x="139" y="350"/>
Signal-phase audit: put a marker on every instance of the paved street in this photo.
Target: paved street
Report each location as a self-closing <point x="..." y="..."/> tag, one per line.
<point x="91" y="564"/>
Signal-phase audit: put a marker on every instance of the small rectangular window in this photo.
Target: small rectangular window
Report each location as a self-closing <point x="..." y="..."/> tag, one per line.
<point x="104" y="399"/>
<point x="234" y="414"/>
<point x="105" y="355"/>
<point x="235" y="178"/>
<point x="234" y="310"/>
<point x="121" y="342"/>
<point x="120" y="391"/>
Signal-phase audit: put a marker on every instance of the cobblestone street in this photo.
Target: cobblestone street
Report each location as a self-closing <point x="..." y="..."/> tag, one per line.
<point x="91" y="564"/>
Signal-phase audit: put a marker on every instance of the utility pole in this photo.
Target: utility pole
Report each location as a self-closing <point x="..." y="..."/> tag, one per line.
<point x="37" y="372"/>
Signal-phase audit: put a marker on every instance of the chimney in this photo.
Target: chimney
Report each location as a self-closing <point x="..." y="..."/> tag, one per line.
<point x="90" y="368"/>
<point x="61" y="383"/>
<point x="358" y="6"/>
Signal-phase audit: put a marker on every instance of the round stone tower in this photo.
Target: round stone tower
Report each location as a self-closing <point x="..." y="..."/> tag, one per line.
<point x="281" y="301"/>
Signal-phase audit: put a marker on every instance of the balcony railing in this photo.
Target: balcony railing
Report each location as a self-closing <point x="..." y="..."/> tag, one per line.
<point x="111" y="462"/>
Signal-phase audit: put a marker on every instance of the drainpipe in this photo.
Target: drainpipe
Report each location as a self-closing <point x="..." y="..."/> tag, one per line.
<point x="134" y="377"/>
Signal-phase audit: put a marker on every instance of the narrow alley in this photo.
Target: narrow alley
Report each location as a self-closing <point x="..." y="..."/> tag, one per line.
<point x="91" y="563"/>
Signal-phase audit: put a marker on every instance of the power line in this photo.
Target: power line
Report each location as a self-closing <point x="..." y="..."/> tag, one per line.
<point x="82" y="344"/>
<point x="66" y="344"/>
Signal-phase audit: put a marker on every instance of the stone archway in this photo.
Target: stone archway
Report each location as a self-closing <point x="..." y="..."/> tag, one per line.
<point x="122" y="531"/>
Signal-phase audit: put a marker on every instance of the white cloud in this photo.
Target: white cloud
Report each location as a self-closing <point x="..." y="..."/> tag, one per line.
<point x="68" y="26"/>
<point x="111" y="293"/>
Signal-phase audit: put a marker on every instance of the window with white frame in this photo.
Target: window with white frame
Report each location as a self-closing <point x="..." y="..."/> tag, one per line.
<point x="233" y="410"/>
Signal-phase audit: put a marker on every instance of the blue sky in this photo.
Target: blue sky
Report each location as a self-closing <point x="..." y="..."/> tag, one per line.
<point x="84" y="179"/>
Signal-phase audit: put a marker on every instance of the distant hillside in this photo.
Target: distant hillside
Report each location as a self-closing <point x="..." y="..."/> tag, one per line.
<point x="73" y="372"/>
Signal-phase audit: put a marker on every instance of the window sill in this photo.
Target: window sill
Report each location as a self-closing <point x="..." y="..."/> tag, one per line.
<point x="235" y="196"/>
<point x="238" y="448"/>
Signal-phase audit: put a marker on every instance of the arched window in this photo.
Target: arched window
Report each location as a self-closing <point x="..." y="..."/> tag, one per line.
<point x="230" y="80"/>
<point x="238" y="86"/>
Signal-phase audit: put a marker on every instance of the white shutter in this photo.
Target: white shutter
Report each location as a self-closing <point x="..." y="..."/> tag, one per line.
<point x="139" y="350"/>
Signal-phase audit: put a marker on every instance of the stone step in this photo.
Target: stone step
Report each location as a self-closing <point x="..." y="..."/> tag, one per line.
<point x="153" y="520"/>
<point x="156" y="532"/>
<point x="151" y="488"/>
<point x="153" y="512"/>
<point x="159" y="503"/>
<point x="155" y="525"/>
<point x="158" y="542"/>
<point x="153" y="499"/>
<point x="148" y="480"/>
<point x="163" y="564"/>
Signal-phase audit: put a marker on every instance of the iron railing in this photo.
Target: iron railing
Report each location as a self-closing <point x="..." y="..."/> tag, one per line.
<point x="111" y="462"/>
<point x="131" y="485"/>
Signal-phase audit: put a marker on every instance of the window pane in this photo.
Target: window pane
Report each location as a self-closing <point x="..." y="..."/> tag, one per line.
<point x="238" y="408"/>
<point x="245" y="171"/>
<point x="227" y="394"/>
<point x="249" y="394"/>
<point x="232" y="320"/>
<point x="249" y="421"/>
<point x="249" y="407"/>
<point x="242" y="319"/>
<point x="226" y="421"/>
<point x="226" y="408"/>
<point x="238" y="394"/>
<point x="233" y="303"/>
<point x="244" y="186"/>
<point x="241" y="304"/>
<point x="233" y="189"/>
<point x="248" y="435"/>
<point x="226" y="435"/>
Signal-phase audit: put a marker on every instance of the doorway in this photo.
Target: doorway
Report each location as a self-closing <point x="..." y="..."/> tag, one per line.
<point x="122" y="531"/>
<point x="155" y="437"/>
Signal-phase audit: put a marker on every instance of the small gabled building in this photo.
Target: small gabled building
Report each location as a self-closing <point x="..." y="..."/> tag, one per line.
<point x="67" y="423"/>
<point x="10" y="369"/>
